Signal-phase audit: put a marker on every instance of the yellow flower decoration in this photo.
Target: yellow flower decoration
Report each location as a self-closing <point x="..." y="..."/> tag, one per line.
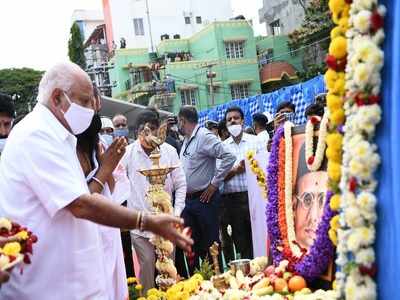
<point x="22" y="235"/>
<point x="337" y="117"/>
<point x="335" y="222"/>
<point x="334" y="171"/>
<point x="335" y="202"/>
<point x="338" y="47"/>
<point x="330" y="77"/>
<point x="344" y="23"/>
<point x="141" y="298"/>
<point x="336" y="6"/>
<point x="250" y="155"/>
<point x="333" y="236"/>
<point x="334" y="285"/>
<point x="334" y="140"/>
<point x="197" y="277"/>
<point x="334" y="102"/>
<point x="333" y="154"/>
<point x="346" y="12"/>
<point x="152" y="297"/>
<point x="131" y="280"/>
<point x="335" y="32"/>
<point x="339" y="87"/>
<point x="12" y="249"/>
<point x="139" y="287"/>
<point x="152" y="291"/>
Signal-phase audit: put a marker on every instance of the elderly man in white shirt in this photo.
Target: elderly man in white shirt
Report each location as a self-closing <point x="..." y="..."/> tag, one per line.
<point x="235" y="201"/>
<point x="43" y="187"/>
<point x="135" y="159"/>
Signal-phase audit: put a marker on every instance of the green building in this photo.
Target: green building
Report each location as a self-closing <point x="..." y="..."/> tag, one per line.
<point x="278" y="63"/>
<point x="182" y="71"/>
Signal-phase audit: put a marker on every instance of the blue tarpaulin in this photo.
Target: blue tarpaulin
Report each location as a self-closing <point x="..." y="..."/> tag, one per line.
<point x="388" y="227"/>
<point x="301" y="95"/>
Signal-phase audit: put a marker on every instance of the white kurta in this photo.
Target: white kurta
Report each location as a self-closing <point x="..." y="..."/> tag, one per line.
<point x="136" y="159"/>
<point x="114" y="265"/>
<point x="39" y="176"/>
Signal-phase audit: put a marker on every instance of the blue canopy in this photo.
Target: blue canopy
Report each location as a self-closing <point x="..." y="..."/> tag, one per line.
<point x="301" y="95"/>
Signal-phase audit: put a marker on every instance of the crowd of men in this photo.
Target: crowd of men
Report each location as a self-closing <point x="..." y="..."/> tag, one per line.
<point x="77" y="180"/>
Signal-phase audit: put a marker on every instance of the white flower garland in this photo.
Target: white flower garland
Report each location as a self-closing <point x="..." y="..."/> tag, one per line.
<point x="321" y="146"/>
<point x="356" y="235"/>
<point x="288" y="189"/>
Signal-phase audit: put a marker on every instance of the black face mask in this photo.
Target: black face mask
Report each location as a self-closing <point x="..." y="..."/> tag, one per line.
<point x="90" y="137"/>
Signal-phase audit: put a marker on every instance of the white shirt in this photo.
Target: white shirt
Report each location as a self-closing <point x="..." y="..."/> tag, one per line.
<point x="248" y="142"/>
<point x="39" y="176"/>
<point x="263" y="137"/>
<point x="136" y="159"/>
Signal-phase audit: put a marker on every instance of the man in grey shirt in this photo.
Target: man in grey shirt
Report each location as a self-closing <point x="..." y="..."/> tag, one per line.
<point x="200" y="150"/>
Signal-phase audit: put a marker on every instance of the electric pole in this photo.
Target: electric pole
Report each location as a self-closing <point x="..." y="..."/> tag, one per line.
<point x="149" y="22"/>
<point x="211" y="75"/>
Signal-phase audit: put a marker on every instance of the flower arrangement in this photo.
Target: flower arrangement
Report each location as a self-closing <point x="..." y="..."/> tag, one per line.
<point x="314" y="161"/>
<point x="258" y="171"/>
<point x="335" y="82"/>
<point x="357" y="216"/>
<point x="134" y="288"/>
<point x="16" y="244"/>
<point x="279" y="212"/>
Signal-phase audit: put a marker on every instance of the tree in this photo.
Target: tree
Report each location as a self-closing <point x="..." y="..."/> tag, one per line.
<point x="22" y="85"/>
<point x="75" y="46"/>
<point x="313" y="38"/>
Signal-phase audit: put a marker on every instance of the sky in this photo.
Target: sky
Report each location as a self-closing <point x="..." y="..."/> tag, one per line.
<point x="34" y="33"/>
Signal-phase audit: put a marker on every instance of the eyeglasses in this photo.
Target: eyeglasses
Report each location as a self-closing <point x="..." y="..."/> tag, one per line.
<point x="308" y="200"/>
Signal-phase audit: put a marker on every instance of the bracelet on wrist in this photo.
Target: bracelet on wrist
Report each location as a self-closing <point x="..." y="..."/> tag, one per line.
<point x="94" y="178"/>
<point x="139" y="220"/>
<point x="142" y="222"/>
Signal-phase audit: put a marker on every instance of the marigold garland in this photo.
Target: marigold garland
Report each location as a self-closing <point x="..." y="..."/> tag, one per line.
<point x="281" y="200"/>
<point x="258" y="171"/>
<point x="335" y="82"/>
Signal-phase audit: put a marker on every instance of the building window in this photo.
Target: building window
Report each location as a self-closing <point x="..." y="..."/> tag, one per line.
<point x="187" y="20"/>
<point x="138" y="26"/>
<point x="239" y="91"/>
<point x="188" y="97"/>
<point x="136" y="77"/>
<point x="267" y="57"/>
<point x="198" y="20"/>
<point x="234" y="49"/>
<point x="275" y="27"/>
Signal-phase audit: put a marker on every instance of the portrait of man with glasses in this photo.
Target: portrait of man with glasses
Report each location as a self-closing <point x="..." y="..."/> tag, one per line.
<point x="309" y="196"/>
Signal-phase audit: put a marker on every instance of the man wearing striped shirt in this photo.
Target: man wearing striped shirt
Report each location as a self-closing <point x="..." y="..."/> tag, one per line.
<point x="235" y="200"/>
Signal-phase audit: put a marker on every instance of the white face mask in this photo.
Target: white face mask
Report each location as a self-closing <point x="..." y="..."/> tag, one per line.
<point x="108" y="139"/>
<point x="78" y="117"/>
<point x="2" y="144"/>
<point x="235" y="130"/>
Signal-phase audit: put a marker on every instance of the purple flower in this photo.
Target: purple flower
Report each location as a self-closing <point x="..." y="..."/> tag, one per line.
<point x="315" y="262"/>
<point x="272" y="205"/>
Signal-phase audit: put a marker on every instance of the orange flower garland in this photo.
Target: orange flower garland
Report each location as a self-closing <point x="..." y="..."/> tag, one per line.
<point x="281" y="197"/>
